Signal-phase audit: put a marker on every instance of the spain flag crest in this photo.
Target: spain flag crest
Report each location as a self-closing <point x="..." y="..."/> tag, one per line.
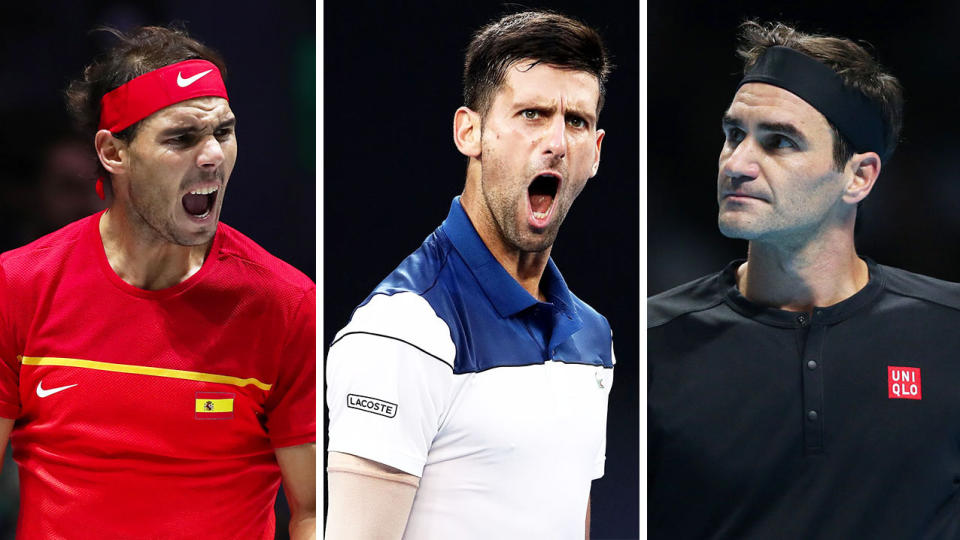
<point x="214" y="405"/>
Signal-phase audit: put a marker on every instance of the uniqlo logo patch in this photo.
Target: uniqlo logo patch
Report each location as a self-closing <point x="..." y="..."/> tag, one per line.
<point x="903" y="382"/>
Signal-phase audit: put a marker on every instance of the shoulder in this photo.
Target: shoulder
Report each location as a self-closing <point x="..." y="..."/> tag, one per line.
<point x="404" y="317"/>
<point x="266" y="272"/>
<point x="421" y="271"/>
<point x="698" y="295"/>
<point x="920" y="287"/>
<point x="45" y="253"/>
<point x="404" y="306"/>
<point x="592" y="319"/>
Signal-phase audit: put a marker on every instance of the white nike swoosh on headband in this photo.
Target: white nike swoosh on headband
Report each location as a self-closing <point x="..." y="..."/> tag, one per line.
<point x="183" y="83"/>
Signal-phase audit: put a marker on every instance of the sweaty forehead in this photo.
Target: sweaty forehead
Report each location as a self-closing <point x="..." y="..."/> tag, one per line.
<point x="764" y="103"/>
<point x="202" y="110"/>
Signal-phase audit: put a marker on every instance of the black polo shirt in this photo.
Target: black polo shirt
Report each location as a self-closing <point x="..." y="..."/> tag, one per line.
<point x="774" y="424"/>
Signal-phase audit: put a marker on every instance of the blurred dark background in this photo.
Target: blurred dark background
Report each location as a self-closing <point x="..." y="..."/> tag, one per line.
<point x="48" y="173"/>
<point x="911" y="215"/>
<point x="392" y="83"/>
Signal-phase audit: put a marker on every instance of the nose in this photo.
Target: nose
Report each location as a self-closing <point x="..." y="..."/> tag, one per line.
<point x="210" y="155"/>
<point x="556" y="142"/>
<point x="740" y="162"/>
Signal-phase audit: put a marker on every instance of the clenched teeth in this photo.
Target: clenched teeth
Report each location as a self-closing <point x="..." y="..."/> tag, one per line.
<point x="204" y="191"/>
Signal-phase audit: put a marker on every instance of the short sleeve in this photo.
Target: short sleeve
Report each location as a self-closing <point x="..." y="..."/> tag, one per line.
<point x="389" y="375"/>
<point x="599" y="462"/>
<point x="291" y="408"/>
<point x="9" y="362"/>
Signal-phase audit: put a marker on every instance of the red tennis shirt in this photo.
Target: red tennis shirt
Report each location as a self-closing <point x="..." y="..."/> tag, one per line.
<point x="153" y="414"/>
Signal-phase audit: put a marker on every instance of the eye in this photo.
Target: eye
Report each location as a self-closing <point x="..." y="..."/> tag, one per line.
<point x="577" y="122"/>
<point x="223" y="133"/>
<point x="780" y="142"/>
<point x="180" y="140"/>
<point x="734" y="135"/>
<point x="530" y="114"/>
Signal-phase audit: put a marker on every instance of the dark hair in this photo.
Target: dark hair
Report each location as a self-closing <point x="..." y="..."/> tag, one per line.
<point x="541" y="36"/>
<point x="855" y="66"/>
<point x="142" y="50"/>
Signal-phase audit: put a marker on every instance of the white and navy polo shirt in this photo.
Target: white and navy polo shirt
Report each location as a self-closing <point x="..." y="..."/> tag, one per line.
<point x="452" y="372"/>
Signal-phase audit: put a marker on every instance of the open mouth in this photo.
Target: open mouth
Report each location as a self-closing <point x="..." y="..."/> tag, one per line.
<point x="199" y="202"/>
<point x="542" y="192"/>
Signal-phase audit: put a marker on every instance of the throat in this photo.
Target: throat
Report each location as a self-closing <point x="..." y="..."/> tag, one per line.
<point x="148" y="265"/>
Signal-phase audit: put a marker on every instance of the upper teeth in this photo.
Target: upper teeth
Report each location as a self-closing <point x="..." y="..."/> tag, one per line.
<point x="203" y="191"/>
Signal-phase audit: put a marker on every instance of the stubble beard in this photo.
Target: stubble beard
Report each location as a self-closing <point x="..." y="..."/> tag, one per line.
<point x="151" y="221"/>
<point x="512" y="227"/>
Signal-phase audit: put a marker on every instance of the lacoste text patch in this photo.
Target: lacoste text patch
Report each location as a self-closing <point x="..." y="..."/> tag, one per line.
<point x="373" y="405"/>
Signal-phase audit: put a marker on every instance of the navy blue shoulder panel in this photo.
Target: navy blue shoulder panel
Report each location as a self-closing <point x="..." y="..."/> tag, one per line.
<point x="595" y="336"/>
<point x="483" y="338"/>
<point x="698" y="295"/>
<point x="419" y="271"/>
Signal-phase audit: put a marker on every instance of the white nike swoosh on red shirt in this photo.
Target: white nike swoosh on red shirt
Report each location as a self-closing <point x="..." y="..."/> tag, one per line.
<point x="44" y="393"/>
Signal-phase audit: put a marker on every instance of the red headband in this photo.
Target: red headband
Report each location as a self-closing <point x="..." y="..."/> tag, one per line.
<point x="144" y="95"/>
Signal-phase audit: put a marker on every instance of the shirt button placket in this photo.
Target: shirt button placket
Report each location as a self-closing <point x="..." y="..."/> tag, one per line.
<point x="812" y="382"/>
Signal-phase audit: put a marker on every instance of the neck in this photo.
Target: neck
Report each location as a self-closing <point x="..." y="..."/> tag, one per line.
<point x="798" y="278"/>
<point x="524" y="266"/>
<point x="141" y="257"/>
<point x="527" y="268"/>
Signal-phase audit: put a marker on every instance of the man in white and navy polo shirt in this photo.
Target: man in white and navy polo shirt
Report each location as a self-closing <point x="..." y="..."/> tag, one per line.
<point x="468" y="393"/>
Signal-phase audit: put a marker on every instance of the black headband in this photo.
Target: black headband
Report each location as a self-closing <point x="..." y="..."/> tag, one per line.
<point x="855" y="117"/>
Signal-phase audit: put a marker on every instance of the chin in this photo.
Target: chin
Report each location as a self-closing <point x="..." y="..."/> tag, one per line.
<point x="738" y="231"/>
<point x="194" y="237"/>
<point x="535" y="243"/>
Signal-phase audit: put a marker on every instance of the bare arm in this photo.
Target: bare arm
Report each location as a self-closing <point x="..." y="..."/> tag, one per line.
<point x="6" y="426"/>
<point x="587" y="524"/>
<point x="298" y="466"/>
<point x="368" y="500"/>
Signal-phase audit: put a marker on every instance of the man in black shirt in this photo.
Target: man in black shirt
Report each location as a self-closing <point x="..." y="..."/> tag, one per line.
<point x="805" y="392"/>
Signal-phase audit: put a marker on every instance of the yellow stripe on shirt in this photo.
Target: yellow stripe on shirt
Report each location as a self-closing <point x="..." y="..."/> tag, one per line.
<point x="143" y="370"/>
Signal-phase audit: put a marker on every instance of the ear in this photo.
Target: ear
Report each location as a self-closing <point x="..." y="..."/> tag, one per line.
<point x="466" y="132"/>
<point x="111" y="151"/>
<point x="865" y="169"/>
<point x="596" y="160"/>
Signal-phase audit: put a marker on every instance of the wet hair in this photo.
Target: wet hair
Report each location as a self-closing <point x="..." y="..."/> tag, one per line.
<point x="542" y="36"/>
<point x="142" y="50"/>
<point x="855" y="66"/>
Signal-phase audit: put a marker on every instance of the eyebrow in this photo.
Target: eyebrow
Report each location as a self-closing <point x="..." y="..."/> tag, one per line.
<point x="176" y="130"/>
<point x="782" y="128"/>
<point x="591" y="118"/>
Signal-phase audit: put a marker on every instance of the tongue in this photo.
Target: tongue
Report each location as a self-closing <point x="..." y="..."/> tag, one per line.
<point x="540" y="203"/>
<point x="195" y="204"/>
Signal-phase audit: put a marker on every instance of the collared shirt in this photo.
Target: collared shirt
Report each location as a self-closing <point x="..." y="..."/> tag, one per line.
<point x="841" y="423"/>
<point x="451" y="371"/>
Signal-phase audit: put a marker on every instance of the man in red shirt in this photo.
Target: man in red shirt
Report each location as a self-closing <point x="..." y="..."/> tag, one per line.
<point x="157" y="367"/>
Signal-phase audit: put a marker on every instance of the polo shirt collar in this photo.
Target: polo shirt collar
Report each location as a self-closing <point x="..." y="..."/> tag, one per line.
<point x="727" y="281"/>
<point x="504" y="292"/>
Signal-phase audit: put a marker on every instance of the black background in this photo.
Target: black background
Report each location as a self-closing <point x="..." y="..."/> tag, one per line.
<point x="910" y="220"/>
<point x="392" y="83"/>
